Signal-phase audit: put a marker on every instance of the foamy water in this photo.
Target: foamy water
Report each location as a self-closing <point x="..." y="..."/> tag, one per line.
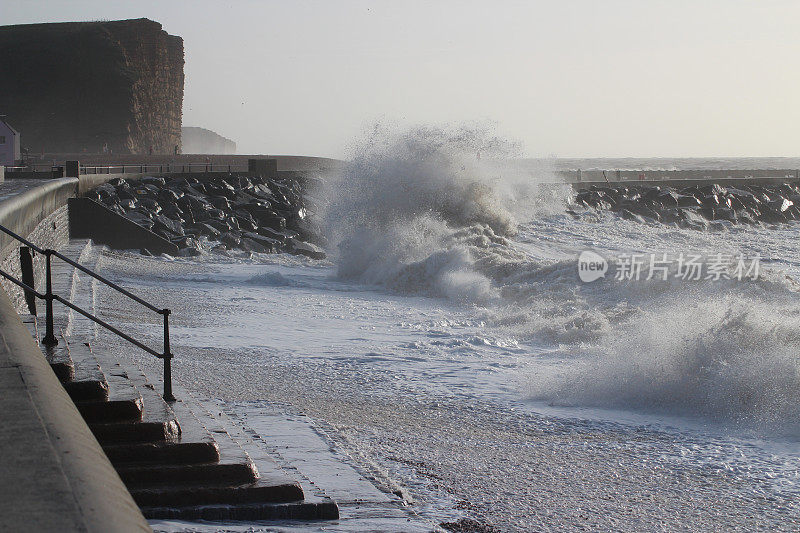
<point x="450" y="341"/>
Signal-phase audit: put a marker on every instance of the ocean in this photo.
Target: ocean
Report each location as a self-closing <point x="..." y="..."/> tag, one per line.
<point x="449" y="342"/>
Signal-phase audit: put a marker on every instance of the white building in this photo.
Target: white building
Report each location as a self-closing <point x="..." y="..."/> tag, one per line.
<point x="9" y="144"/>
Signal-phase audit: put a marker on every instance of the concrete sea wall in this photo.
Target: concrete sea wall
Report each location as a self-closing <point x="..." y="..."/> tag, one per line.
<point x="41" y="215"/>
<point x="55" y="475"/>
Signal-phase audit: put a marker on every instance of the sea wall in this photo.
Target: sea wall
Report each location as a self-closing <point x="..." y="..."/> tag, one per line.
<point x="55" y="474"/>
<point x="52" y="232"/>
<point x="40" y="215"/>
<point x="80" y="86"/>
<point x="704" y="176"/>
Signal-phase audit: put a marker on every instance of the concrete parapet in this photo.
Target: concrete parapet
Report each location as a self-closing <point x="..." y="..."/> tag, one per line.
<point x="22" y="213"/>
<point x="267" y="168"/>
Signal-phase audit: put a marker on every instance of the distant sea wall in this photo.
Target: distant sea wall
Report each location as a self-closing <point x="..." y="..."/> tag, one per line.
<point x="81" y="86"/>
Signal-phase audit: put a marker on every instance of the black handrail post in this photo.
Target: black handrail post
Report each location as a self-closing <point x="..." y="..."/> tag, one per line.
<point x="49" y="338"/>
<point x="167" y="361"/>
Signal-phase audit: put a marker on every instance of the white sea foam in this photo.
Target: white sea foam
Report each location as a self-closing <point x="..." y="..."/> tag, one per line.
<point x="419" y="214"/>
<point x="428" y="336"/>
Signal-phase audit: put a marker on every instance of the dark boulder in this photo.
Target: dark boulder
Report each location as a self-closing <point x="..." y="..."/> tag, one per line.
<point x="268" y="243"/>
<point x="307" y="249"/>
<point x="724" y="213"/>
<point x="685" y="200"/>
<point x="150" y="204"/>
<point x="250" y="245"/>
<point x="162" y="224"/>
<point x="221" y="225"/>
<point x="780" y="204"/>
<point x="151" y="180"/>
<point x="230" y="240"/>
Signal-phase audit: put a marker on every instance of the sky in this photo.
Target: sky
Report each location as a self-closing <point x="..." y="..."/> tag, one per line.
<point x="566" y="78"/>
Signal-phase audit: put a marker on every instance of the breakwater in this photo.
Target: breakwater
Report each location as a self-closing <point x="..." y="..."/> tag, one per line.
<point x="694" y="205"/>
<point x="675" y="176"/>
<point x="252" y="213"/>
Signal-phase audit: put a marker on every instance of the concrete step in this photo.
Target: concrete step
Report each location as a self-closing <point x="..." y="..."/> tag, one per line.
<point x="88" y="383"/>
<point x="157" y="423"/>
<point x="152" y="453"/>
<point x="88" y="390"/>
<point x="183" y="489"/>
<point x="187" y="474"/>
<point x="188" y="496"/>
<point x="124" y="403"/>
<point x="129" y="410"/>
<point x="60" y="361"/>
<point x="249" y="512"/>
<point x="135" y="431"/>
<point x="231" y="465"/>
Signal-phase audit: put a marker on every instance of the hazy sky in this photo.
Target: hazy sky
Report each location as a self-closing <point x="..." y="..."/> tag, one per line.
<point x="572" y="78"/>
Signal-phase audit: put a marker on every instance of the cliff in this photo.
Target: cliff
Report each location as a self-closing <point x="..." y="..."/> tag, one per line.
<point x="77" y="86"/>
<point x="203" y="141"/>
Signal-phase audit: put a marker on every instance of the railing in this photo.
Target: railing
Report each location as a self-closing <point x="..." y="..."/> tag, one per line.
<point x="49" y="337"/>
<point x="167" y="168"/>
<point x="32" y="168"/>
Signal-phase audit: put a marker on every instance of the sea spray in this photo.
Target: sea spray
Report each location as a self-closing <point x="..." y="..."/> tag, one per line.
<point x="419" y="211"/>
<point x="724" y="352"/>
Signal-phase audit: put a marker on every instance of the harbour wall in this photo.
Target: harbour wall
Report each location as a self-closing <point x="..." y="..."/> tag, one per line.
<point x="676" y="178"/>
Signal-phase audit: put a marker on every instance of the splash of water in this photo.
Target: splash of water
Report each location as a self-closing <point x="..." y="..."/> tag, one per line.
<point x="727" y="356"/>
<point x="419" y="211"/>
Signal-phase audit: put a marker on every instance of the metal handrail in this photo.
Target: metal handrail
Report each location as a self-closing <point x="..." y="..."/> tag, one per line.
<point x="29" y="168"/>
<point x="137" y="168"/>
<point x="111" y="284"/>
<point x="163" y="168"/>
<point x="50" y="338"/>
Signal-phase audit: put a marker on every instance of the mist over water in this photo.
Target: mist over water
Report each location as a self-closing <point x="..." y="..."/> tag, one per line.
<point x="447" y="213"/>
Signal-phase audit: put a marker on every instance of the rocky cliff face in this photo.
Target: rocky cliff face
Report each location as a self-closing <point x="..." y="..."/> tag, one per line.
<point x="202" y="141"/>
<point x="75" y="87"/>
